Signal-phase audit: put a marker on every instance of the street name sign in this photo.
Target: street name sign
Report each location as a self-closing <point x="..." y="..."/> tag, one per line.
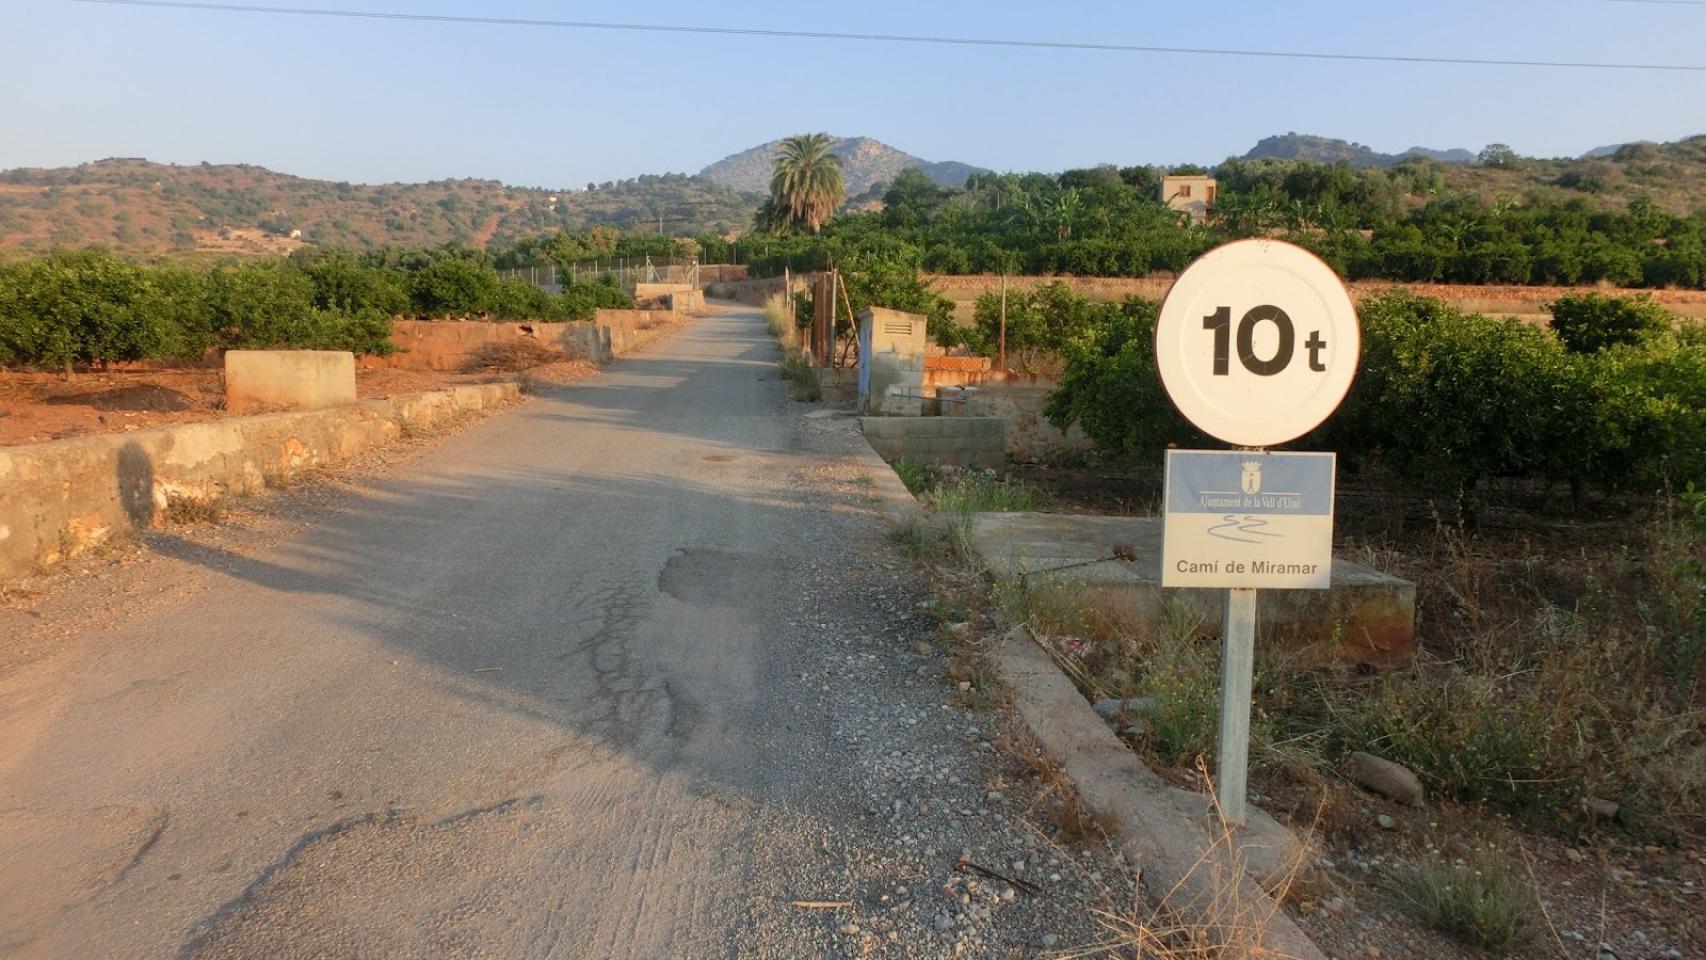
<point x="1235" y="518"/>
<point x="1257" y="342"/>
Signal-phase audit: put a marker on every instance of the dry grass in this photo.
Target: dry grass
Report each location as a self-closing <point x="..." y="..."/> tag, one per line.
<point x="185" y="510"/>
<point x="1057" y="799"/>
<point x="512" y="356"/>
<point x="1216" y="911"/>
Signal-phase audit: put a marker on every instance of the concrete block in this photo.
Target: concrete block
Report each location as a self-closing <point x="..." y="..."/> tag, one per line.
<point x="1365" y="617"/>
<point x="288" y="379"/>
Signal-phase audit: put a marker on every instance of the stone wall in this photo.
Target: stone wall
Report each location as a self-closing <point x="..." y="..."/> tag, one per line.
<point x="456" y="345"/>
<point x="939" y="441"/>
<point x="61" y="498"/>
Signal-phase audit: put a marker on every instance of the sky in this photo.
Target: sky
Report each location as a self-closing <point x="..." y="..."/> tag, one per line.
<point x="377" y="101"/>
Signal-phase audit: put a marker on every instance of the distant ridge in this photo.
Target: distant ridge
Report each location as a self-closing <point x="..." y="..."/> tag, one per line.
<point x="1302" y="146"/>
<point x="864" y="163"/>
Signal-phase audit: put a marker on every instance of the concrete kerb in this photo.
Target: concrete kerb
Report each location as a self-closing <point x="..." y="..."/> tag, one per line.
<point x="1162" y="830"/>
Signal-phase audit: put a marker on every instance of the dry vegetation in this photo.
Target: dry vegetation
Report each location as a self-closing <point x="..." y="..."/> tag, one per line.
<point x="1555" y="715"/>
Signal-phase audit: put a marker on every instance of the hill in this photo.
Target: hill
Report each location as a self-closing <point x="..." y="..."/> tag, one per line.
<point x="864" y="164"/>
<point x="1302" y="146"/>
<point x="143" y="208"/>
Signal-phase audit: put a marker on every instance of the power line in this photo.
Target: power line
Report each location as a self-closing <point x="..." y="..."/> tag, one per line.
<point x="906" y="38"/>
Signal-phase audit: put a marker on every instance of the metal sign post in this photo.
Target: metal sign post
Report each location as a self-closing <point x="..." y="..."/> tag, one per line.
<point x="1237" y="672"/>
<point x="1256" y="344"/>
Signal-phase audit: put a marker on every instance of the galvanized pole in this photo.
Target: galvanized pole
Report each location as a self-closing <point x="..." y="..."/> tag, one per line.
<point x="1237" y="666"/>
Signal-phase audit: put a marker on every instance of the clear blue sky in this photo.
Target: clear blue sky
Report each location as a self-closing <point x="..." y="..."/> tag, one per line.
<point x="370" y="101"/>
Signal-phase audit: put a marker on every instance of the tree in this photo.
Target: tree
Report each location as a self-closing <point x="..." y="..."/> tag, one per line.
<point x="1498" y="155"/>
<point x="806" y="186"/>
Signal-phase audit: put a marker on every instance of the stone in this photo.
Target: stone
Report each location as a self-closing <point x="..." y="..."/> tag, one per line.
<point x="1049" y="939"/>
<point x="1391" y="780"/>
<point x="1603" y="809"/>
<point x="1386" y="822"/>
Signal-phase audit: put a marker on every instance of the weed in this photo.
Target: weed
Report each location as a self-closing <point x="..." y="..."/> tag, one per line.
<point x="184" y="510"/>
<point x="802" y="377"/>
<point x="917" y="477"/>
<point x="981" y="491"/>
<point x="1483" y="902"/>
<point x="1074" y="824"/>
<point x="1214" y="912"/>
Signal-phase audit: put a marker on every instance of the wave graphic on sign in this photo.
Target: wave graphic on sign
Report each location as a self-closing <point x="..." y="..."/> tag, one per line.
<point x="1245" y="525"/>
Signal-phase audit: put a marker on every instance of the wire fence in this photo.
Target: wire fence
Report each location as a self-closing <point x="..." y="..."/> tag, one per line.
<point x="627" y="271"/>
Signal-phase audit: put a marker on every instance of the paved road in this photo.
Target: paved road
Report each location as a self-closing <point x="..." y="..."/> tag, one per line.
<point x="572" y="683"/>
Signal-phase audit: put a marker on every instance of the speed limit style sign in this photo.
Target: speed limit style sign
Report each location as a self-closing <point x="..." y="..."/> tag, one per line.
<point x="1257" y="342"/>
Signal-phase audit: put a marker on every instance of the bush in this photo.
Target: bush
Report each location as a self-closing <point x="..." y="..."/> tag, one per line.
<point x="1484" y="903"/>
<point x="82" y="307"/>
<point x="1111" y="389"/>
<point x="1590" y="322"/>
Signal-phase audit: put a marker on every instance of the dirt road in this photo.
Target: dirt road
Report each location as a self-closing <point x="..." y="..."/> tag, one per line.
<point x="619" y="673"/>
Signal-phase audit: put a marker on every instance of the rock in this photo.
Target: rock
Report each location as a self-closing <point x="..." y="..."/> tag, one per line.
<point x="942" y="922"/>
<point x="848" y="929"/>
<point x="1049" y="939"/>
<point x="1603" y="809"/>
<point x="1391" y="780"/>
<point x="1109" y="708"/>
<point x="1136" y="731"/>
<point x="965" y="686"/>
<point x="1573" y="855"/>
<point x="1386" y="822"/>
<point x="923" y="649"/>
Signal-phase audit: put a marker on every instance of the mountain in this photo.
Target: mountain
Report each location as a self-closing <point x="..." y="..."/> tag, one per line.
<point x="864" y="163"/>
<point x="144" y="208"/>
<point x="1302" y="146"/>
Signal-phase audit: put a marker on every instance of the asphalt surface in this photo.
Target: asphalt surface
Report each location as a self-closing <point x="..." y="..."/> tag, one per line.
<point x="621" y="672"/>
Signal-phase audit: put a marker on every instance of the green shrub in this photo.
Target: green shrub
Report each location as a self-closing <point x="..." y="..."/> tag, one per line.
<point x="1484" y="903"/>
<point x="1111" y="389"/>
<point x="1444" y="400"/>
<point x="452" y="287"/>
<point x="1590" y="322"/>
<point x="85" y="306"/>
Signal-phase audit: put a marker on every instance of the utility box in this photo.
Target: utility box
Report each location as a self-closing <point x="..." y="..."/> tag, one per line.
<point x="891" y="363"/>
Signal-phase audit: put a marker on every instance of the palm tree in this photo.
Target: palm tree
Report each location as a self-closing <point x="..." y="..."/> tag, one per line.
<point x="806" y="187"/>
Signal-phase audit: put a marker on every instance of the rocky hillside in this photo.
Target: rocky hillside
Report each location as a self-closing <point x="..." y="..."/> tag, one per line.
<point x="143" y="208"/>
<point x="864" y="164"/>
<point x="1302" y="146"/>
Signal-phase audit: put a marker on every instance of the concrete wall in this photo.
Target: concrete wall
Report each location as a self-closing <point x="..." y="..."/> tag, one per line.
<point x="61" y="498"/>
<point x="646" y="291"/>
<point x="1030" y="437"/>
<point x="456" y="345"/>
<point x="627" y="330"/>
<point x="288" y="379"/>
<point x="755" y="293"/>
<point x="939" y="441"/>
<point x="691" y="300"/>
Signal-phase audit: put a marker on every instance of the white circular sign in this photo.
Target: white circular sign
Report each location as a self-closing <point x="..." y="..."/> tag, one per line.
<point x="1257" y="342"/>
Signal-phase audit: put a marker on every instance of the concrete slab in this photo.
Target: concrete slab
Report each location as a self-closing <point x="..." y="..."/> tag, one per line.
<point x="1366" y="617"/>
